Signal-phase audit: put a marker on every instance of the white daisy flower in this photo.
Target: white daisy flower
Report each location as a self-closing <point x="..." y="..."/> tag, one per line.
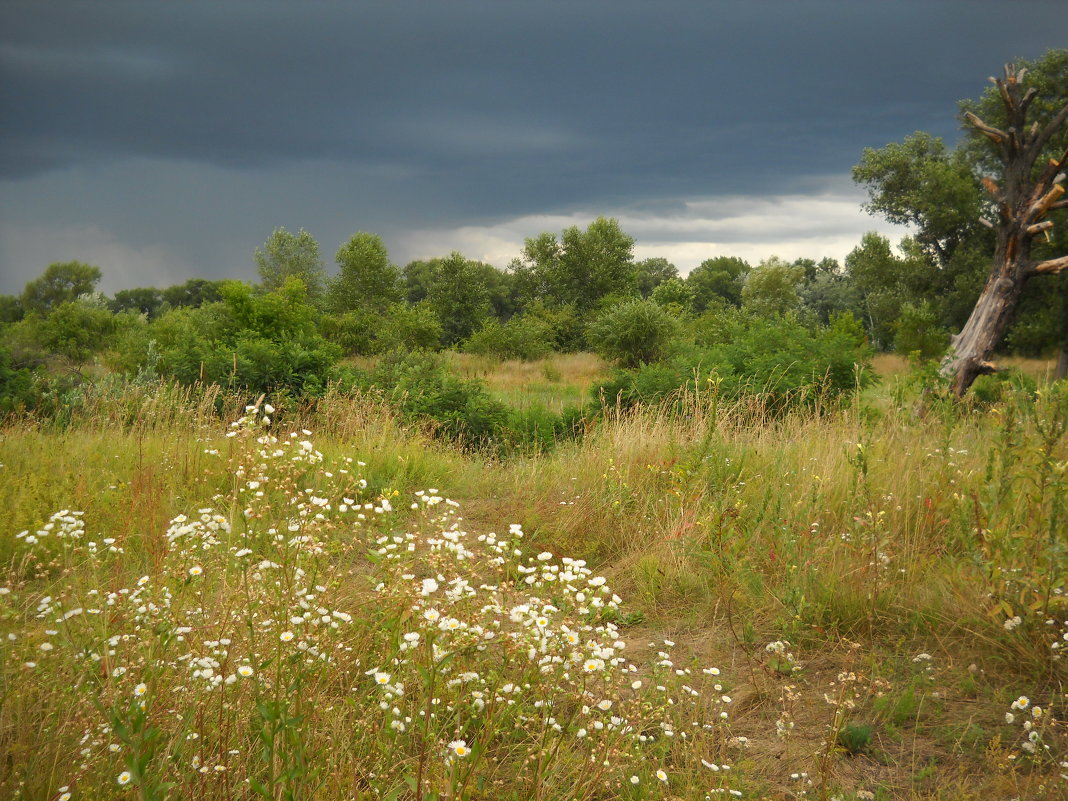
<point x="459" y="748"/>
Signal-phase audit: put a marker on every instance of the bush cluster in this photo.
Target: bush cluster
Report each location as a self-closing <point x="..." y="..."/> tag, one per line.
<point x="781" y="360"/>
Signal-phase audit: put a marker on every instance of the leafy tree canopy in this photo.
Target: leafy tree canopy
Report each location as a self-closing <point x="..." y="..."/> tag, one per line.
<point x="285" y="254"/>
<point x="580" y="268"/>
<point x="459" y="297"/>
<point x="62" y="282"/>
<point x="366" y="278"/>
<point x="718" y="279"/>
<point x="651" y="273"/>
<point x="771" y="289"/>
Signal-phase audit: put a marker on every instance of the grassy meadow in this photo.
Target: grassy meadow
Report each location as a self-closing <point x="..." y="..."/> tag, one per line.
<point x="206" y="596"/>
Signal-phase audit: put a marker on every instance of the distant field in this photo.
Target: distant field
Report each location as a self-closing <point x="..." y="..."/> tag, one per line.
<point x="891" y="364"/>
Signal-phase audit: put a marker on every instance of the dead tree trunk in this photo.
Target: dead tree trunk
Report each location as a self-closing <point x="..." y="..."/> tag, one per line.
<point x="1022" y="203"/>
<point x="1061" y="370"/>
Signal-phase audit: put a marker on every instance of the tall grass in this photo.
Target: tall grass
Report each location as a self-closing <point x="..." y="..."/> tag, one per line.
<point x="879" y="589"/>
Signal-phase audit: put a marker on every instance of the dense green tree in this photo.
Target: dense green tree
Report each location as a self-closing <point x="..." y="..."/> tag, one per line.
<point x="719" y="278"/>
<point x="772" y="288"/>
<point x="366" y="278"/>
<point x="917" y="332"/>
<point x="16" y="384"/>
<point x="143" y="300"/>
<point x="882" y="282"/>
<point x="651" y="273"/>
<point x="459" y="297"/>
<point x="11" y="309"/>
<point x="284" y="255"/>
<point x="352" y="331"/>
<point x="828" y="294"/>
<point x="922" y="183"/>
<point x="78" y="330"/>
<point x="62" y="282"/>
<point x="674" y="294"/>
<point x="409" y="327"/>
<point x="564" y="325"/>
<point x="500" y="289"/>
<point x="261" y="341"/>
<point x="415" y="279"/>
<point x="194" y="293"/>
<point x="580" y="269"/>
<point x="75" y="330"/>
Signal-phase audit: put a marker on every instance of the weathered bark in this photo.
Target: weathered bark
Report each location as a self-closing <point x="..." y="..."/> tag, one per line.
<point x="1021" y="204"/>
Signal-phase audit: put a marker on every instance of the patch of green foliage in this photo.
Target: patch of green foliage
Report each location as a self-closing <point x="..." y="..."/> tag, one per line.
<point x="784" y="361"/>
<point x="260" y="341"/>
<point x="523" y="337"/>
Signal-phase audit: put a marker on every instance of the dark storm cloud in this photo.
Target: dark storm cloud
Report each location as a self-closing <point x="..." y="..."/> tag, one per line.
<point x="632" y="88"/>
<point x="447" y="112"/>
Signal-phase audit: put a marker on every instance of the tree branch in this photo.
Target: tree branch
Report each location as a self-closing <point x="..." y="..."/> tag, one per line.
<point x="1050" y="266"/>
<point x="1038" y="211"/>
<point x="1003" y="90"/>
<point x="1038" y="228"/>
<point x="1029" y="95"/>
<point x="1051" y="173"/>
<point x="1049" y="130"/>
<point x="989" y="131"/>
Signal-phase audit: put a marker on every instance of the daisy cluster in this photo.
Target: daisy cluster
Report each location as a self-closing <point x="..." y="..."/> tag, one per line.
<point x="1036" y="730"/>
<point x="513" y="664"/>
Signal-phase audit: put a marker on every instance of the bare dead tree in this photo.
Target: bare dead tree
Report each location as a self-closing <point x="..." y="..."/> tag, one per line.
<point x="1023" y="204"/>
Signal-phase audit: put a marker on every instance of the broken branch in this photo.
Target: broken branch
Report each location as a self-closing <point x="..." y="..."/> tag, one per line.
<point x="1051" y="266"/>
<point x="1038" y="211"/>
<point x="989" y="131"/>
<point x="1050" y="129"/>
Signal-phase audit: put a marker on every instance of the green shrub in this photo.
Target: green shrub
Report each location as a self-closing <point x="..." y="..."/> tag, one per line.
<point x="855" y="738"/>
<point x="675" y="295"/>
<point x="352" y="331"/>
<point x="539" y="429"/>
<point x="422" y="388"/>
<point x="633" y="333"/>
<point x="994" y="388"/>
<point x="780" y="359"/>
<point x="564" y="326"/>
<point x="917" y="331"/>
<point x="522" y="337"/>
<point x="262" y="342"/>
<point x="16" y="385"/>
<point x="78" y="330"/>
<point x="24" y="341"/>
<point x="408" y="327"/>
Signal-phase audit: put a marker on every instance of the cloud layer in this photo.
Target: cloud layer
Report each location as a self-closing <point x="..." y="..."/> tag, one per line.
<point x="190" y="130"/>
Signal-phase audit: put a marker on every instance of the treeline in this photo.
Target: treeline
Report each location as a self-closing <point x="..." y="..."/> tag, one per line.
<point x="776" y="325"/>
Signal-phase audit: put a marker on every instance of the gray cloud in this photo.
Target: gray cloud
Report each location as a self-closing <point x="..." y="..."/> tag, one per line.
<point x="196" y="127"/>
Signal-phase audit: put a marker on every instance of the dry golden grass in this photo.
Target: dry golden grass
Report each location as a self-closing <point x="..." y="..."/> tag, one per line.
<point x="893" y="364"/>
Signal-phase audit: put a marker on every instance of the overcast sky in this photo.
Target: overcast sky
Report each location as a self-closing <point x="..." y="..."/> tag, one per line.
<point x="166" y="140"/>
